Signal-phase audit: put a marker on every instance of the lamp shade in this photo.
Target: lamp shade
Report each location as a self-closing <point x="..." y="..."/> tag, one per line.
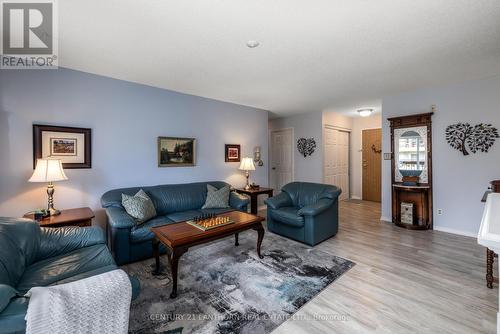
<point x="247" y="164"/>
<point x="48" y="170"/>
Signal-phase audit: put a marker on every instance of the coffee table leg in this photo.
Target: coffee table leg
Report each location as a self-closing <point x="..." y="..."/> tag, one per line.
<point x="156" y="255"/>
<point x="236" y="243"/>
<point x="174" y="266"/>
<point x="260" y="237"/>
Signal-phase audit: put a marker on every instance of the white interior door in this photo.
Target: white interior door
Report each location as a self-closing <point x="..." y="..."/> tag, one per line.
<point x="281" y="158"/>
<point x="336" y="163"/>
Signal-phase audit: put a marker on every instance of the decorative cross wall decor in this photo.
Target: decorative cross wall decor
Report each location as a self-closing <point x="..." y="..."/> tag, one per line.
<point x="478" y="138"/>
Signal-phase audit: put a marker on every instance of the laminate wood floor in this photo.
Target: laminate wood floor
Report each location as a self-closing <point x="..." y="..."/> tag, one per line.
<point x="403" y="282"/>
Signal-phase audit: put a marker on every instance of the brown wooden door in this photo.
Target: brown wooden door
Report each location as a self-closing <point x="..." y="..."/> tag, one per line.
<point x="372" y="164"/>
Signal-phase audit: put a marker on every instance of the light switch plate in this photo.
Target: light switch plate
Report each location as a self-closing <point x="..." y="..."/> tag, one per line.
<point x="387" y="156"/>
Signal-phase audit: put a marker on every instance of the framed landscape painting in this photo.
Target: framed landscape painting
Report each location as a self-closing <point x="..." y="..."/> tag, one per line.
<point x="71" y="145"/>
<point x="176" y="152"/>
<point x="232" y="153"/>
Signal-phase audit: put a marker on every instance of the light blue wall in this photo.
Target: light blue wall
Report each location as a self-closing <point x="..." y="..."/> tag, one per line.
<point x="126" y="119"/>
<point x="307" y="125"/>
<point x="459" y="181"/>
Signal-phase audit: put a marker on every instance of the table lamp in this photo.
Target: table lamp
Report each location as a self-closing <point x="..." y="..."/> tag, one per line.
<point x="49" y="170"/>
<point x="247" y="165"/>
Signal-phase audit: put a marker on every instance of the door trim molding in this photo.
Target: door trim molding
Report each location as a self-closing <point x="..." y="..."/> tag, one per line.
<point x="349" y="132"/>
<point x="333" y="127"/>
<point x="270" y="153"/>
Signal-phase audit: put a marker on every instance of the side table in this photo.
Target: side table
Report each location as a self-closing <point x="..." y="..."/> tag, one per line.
<point x="254" y="194"/>
<point x="72" y="217"/>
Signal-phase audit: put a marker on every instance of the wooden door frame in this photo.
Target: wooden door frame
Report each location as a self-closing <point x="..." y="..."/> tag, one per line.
<point x="349" y="174"/>
<point x="270" y="153"/>
<point x="361" y="161"/>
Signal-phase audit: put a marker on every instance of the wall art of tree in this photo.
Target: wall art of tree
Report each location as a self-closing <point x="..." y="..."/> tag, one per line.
<point x="478" y="138"/>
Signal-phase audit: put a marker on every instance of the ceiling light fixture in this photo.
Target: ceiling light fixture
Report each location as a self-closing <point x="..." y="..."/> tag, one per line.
<point x="252" y="44"/>
<point x="365" y="112"/>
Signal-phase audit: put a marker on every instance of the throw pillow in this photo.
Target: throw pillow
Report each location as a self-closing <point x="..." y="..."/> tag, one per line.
<point x="217" y="198"/>
<point x="139" y="206"/>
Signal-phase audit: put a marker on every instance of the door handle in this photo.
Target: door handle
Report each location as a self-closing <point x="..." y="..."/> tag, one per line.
<point x="274" y="168"/>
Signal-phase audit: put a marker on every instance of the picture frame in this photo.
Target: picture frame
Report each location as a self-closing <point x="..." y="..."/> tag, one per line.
<point x="232" y="153"/>
<point x="176" y="152"/>
<point x="70" y="144"/>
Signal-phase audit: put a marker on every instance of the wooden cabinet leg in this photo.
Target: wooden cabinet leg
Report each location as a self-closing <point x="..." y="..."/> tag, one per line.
<point x="236" y="237"/>
<point x="490" y="256"/>
<point x="253" y="204"/>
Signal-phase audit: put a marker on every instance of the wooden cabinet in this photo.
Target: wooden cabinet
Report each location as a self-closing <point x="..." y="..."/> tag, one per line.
<point x="411" y="144"/>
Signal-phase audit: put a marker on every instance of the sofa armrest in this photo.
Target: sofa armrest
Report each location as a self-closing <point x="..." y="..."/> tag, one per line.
<point x="279" y="201"/>
<point x="238" y="201"/>
<point x="316" y="208"/>
<point x="56" y="241"/>
<point x="119" y="218"/>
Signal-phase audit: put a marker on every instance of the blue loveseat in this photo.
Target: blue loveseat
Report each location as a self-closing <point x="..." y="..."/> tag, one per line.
<point x="33" y="256"/>
<point x="173" y="203"/>
<point x="306" y="212"/>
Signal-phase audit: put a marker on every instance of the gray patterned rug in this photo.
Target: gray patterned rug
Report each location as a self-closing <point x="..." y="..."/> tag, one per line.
<point x="226" y="289"/>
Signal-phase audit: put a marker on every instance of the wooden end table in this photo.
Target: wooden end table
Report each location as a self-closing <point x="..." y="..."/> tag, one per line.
<point x="179" y="237"/>
<point x="254" y="194"/>
<point x="72" y="217"/>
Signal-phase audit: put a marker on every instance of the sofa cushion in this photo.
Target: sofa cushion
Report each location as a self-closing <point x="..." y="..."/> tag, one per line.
<point x="58" y="268"/>
<point x="12" y="317"/>
<point x="184" y="215"/>
<point x="6" y="294"/>
<point x="217" y="198"/>
<point x="288" y="215"/>
<point x="19" y="240"/>
<point x="143" y="232"/>
<point x="139" y="206"/>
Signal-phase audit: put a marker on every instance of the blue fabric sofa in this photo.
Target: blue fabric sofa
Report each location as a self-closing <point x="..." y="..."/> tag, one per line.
<point x="306" y="212"/>
<point x="173" y="203"/>
<point x="33" y="256"/>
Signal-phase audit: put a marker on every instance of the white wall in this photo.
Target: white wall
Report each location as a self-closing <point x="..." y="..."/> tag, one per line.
<point x="358" y="125"/>
<point x="307" y="125"/>
<point x="459" y="181"/>
<point x="126" y="120"/>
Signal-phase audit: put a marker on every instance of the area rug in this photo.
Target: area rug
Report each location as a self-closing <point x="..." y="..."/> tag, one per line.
<point x="227" y="289"/>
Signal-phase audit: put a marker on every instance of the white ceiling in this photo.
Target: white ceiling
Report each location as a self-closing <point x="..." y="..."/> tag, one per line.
<point x="314" y="55"/>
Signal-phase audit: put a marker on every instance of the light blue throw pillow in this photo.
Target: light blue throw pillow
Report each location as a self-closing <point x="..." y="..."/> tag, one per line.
<point x="139" y="206"/>
<point x="217" y="198"/>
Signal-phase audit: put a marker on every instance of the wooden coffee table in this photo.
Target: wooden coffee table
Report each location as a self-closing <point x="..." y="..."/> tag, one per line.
<point x="178" y="237"/>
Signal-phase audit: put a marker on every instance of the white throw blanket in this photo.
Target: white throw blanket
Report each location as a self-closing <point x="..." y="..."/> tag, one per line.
<point x="98" y="304"/>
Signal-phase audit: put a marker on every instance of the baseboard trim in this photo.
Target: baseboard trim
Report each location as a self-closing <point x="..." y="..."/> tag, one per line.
<point x="386" y="219"/>
<point x="356" y="197"/>
<point x="454" y="231"/>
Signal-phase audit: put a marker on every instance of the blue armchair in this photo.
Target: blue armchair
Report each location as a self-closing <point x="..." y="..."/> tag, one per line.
<point x="306" y="212"/>
<point x="33" y="256"/>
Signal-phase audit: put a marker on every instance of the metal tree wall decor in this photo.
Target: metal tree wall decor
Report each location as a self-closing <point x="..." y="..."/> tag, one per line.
<point x="306" y="146"/>
<point x="478" y="138"/>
